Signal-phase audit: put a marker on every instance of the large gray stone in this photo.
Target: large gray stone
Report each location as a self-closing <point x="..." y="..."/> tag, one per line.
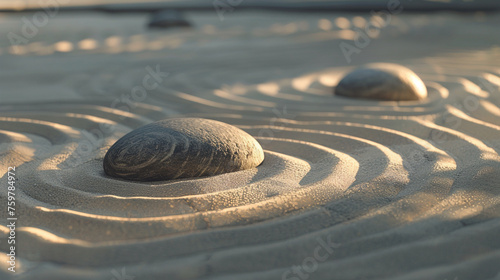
<point x="382" y="81"/>
<point x="182" y="148"/>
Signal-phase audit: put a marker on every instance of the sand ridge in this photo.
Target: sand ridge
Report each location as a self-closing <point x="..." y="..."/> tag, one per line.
<point x="388" y="182"/>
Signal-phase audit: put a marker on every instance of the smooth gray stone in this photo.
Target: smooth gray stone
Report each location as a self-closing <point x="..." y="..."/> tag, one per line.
<point x="382" y="81"/>
<point x="182" y="148"/>
<point x="168" y="19"/>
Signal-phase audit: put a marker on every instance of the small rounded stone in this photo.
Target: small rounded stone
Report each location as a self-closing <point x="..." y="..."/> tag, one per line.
<point x="168" y="19"/>
<point x="182" y="148"/>
<point x="382" y="81"/>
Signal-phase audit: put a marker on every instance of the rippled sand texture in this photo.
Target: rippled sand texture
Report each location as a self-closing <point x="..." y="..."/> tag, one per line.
<point x="407" y="190"/>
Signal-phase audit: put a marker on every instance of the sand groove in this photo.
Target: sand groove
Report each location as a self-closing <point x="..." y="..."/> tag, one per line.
<point x="387" y="181"/>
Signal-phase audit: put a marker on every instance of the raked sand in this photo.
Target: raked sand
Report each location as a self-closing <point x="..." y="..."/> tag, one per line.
<point x="401" y="190"/>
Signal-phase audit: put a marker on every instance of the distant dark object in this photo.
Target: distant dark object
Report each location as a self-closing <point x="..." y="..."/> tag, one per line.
<point x="168" y="19"/>
<point x="182" y="148"/>
<point x="382" y="81"/>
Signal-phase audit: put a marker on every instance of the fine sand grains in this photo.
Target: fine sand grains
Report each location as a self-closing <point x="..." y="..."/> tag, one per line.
<point x="349" y="188"/>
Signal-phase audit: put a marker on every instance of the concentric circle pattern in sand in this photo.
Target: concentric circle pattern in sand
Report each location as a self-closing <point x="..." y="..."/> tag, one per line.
<point x="408" y="190"/>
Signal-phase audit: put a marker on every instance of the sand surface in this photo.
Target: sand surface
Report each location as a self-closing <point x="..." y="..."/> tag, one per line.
<point x="405" y="190"/>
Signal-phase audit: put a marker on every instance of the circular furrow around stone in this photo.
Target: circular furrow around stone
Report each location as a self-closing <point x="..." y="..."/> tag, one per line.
<point x="215" y="218"/>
